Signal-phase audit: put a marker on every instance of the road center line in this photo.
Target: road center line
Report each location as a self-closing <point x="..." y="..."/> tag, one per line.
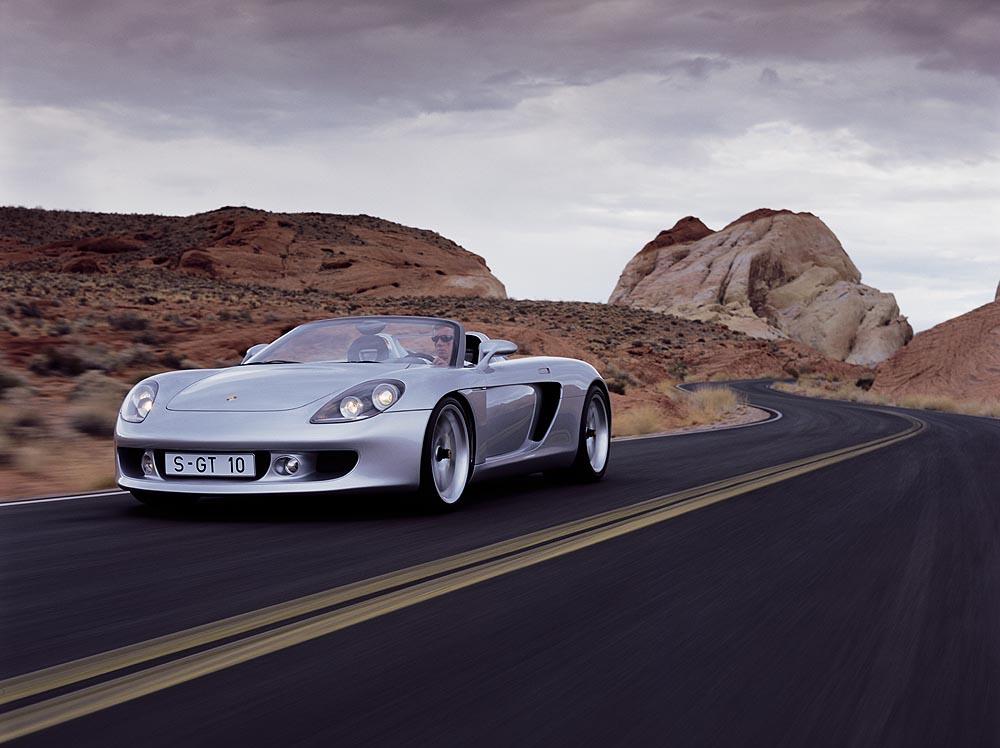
<point x="29" y="684"/>
<point x="426" y="581"/>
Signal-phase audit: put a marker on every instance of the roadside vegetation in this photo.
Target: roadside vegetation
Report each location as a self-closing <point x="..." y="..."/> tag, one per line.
<point x="670" y="408"/>
<point x="835" y="389"/>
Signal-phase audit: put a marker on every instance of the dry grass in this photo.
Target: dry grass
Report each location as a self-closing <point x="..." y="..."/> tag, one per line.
<point x="97" y="479"/>
<point x="50" y="466"/>
<point x="707" y="405"/>
<point x="643" y="419"/>
<point x="668" y="387"/>
<point x="839" y="390"/>
<point x="701" y="407"/>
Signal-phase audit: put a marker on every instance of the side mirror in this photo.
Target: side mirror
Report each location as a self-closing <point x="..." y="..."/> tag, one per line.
<point x="493" y="348"/>
<point x="253" y="351"/>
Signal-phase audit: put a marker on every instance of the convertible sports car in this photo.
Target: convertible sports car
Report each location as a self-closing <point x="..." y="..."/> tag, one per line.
<point x="362" y="403"/>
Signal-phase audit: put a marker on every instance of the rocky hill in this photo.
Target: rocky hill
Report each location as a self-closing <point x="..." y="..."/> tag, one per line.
<point x="959" y="358"/>
<point x="770" y="274"/>
<point x="358" y="255"/>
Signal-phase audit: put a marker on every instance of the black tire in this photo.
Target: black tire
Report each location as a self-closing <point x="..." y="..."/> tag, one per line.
<point x="161" y="501"/>
<point x="586" y="467"/>
<point x="448" y="416"/>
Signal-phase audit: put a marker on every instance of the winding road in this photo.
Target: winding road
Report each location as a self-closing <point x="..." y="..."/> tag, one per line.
<point x="831" y="577"/>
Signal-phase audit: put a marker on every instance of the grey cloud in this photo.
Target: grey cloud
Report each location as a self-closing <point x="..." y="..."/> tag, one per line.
<point x="769" y="77"/>
<point x="895" y="72"/>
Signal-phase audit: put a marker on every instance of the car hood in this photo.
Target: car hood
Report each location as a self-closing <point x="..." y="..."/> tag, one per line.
<point x="273" y="387"/>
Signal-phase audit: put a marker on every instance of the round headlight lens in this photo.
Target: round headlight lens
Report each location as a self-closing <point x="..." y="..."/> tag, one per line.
<point x="384" y="395"/>
<point x="351" y="407"/>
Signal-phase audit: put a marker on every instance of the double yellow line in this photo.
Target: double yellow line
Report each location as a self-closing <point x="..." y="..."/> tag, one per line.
<point x="360" y="601"/>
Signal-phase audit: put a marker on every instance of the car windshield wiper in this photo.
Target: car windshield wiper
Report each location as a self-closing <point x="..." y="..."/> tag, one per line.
<point x="272" y="361"/>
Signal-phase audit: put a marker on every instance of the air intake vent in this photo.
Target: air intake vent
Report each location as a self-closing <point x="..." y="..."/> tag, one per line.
<point x="335" y="464"/>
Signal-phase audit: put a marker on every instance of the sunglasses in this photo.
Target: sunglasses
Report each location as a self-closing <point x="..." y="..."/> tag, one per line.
<point x="442" y="338"/>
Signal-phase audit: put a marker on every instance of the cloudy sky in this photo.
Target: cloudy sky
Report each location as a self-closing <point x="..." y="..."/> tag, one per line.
<point x="553" y="137"/>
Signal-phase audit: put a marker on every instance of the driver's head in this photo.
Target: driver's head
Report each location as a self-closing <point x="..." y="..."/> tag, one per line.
<point x="443" y="338"/>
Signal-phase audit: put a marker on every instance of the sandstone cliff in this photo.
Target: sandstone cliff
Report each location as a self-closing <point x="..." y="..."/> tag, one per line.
<point x="353" y="254"/>
<point x="959" y="358"/>
<point x="770" y="274"/>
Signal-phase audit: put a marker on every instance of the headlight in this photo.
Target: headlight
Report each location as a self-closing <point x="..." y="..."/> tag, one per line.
<point x="364" y="401"/>
<point x="139" y="402"/>
<point x="384" y="395"/>
<point x="352" y="407"/>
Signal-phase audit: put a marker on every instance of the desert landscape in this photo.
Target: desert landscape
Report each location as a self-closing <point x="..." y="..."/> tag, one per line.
<point x="96" y="302"/>
<point x="716" y="466"/>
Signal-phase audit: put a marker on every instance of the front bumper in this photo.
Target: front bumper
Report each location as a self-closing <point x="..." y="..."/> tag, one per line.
<point x="388" y="449"/>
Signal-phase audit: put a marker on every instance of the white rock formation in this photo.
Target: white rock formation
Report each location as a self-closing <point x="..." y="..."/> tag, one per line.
<point x="769" y="274"/>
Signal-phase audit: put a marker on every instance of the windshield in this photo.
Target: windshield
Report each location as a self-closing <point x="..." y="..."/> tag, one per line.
<point x="404" y="340"/>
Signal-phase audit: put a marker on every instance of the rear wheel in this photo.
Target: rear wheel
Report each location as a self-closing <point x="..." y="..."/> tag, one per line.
<point x="446" y="462"/>
<point x="594" y="445"/>
<point x="163" y="501"/>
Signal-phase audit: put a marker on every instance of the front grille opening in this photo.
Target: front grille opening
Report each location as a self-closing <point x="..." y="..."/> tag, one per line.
<point x="335" y="463"/>
<point x="130" y="460"/>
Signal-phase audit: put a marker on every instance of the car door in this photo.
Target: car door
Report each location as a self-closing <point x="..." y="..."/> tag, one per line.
<point x="511" y="403"/>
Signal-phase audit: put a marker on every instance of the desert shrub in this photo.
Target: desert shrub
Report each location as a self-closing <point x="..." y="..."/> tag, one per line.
<point x="9" y="380"/>
<point x="69" y="360"/>
<point x="148" y="337"/>
<point x="22" y="421"/>
<point x="95" y="385"/>
<point x="642" y="419"/>
<point x="171" y="360"/>
<point x="94" y="420"/>
<point x="678" y="369"/>
<point x="29" y="309"/>
<point x="136" y="355"/>
<point x="61" y="328"/>
<point x="177" y="319"/>
<point x="128" y="321"/>
<point x="617" y="379"/>
<point x="711" y="404"/>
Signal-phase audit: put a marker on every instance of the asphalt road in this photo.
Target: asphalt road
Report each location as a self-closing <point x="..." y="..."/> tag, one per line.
<point x="857" y="604"/>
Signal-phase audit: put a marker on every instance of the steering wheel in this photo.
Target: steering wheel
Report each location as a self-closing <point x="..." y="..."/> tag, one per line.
<point x="421" y="356"/>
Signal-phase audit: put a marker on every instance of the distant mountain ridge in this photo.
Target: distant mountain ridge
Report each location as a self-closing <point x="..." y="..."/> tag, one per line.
<point x="355" y="254"/>
<point x="770" y="274"/>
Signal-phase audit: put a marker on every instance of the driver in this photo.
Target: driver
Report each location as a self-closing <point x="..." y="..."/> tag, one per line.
<point x="443" y="338"/>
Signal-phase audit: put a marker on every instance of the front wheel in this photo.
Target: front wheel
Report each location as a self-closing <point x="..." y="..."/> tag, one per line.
<point x="594" y="445"/>
<point x="446" y="462"/>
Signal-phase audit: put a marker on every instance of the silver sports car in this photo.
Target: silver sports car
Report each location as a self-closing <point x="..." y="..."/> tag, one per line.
<point x="362" y="403"/>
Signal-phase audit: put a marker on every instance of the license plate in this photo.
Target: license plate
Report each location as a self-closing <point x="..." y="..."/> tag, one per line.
<point x="210" y="466"/>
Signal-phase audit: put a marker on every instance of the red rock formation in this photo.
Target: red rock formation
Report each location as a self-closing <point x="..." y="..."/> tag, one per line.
<point x="358" y="255"/>
<point x="959" y="358"/>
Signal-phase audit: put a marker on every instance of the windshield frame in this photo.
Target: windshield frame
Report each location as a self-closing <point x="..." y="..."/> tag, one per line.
<point x="457" y="351"/>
